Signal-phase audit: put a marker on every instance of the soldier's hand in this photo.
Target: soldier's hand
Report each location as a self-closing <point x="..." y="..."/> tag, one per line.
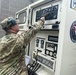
<point x="42" y="19"/>
<point x="46" y="14"/>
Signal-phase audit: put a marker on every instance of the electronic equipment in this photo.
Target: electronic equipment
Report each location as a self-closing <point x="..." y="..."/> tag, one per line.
<point x="46" y="43"/>
<point x="53" y="47"/>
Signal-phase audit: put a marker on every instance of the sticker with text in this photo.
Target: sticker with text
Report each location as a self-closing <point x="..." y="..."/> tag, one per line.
<point x="73" y="4"/>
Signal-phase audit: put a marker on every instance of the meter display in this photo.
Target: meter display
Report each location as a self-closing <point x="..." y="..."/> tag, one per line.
<point x="37" y="42"/>
<point x="51" y="49"/>
<point x="42" y="43"/>
<point x="53" y="11"/>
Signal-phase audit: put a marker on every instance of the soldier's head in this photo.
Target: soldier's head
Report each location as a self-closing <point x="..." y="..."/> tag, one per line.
<point x="10" y="25"/>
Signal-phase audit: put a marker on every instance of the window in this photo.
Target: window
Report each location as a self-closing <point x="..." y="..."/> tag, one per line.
<point x="22" y="17"/>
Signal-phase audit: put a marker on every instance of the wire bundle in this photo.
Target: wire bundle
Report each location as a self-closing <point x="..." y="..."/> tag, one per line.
<point x="32" y="68"/>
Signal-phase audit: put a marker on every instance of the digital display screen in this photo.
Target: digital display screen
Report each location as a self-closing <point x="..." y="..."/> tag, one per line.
<point x="53" y="11"/>
<point x="52" y="38"/>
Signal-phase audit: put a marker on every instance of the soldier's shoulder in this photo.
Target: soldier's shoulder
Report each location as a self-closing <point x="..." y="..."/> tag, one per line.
<point x="7" y="38"/>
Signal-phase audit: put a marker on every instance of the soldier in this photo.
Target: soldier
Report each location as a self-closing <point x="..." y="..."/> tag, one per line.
<point x="11" y="46"/>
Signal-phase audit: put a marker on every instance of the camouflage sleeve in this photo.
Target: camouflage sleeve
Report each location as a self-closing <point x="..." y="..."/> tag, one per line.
<point x="25" y="37"/>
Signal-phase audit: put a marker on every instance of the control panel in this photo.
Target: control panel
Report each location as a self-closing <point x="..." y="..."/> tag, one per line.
<point x="46" y="45"/>
<point x="48" y="63"/>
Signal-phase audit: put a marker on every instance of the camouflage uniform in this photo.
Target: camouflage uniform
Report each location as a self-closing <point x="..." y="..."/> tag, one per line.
<point x="12" y="52"/>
